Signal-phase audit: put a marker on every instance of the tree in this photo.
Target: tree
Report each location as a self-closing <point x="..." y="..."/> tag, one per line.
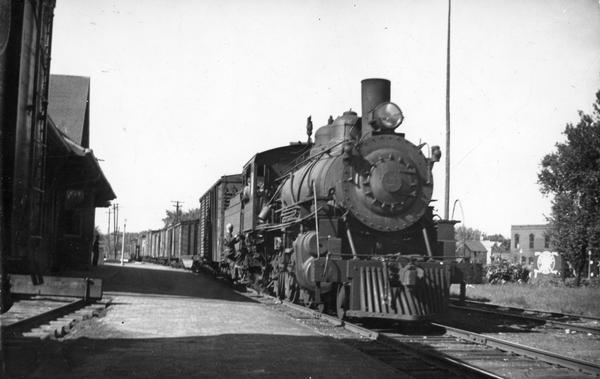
<point x="171" y="217"/>
<point x="463" y="233"/>
<point x="572" y="175"/>
<point x="503" y="242"/>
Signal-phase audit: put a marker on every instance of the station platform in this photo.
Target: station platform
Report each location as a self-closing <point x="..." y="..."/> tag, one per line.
<point x="172" y="323"/>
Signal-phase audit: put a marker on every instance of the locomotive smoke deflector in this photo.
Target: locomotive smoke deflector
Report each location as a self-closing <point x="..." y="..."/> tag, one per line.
<point x="378" y="113"/>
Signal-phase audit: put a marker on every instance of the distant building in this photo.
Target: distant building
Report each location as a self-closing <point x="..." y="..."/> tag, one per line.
<point x="526" y="240"/>
<point x="472" y="250"/>
<point x="496" y="251"/>
<point x="491" y="248"/>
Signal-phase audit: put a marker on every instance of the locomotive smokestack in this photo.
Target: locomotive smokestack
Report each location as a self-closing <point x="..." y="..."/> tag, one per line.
<point x="374" y="92"/>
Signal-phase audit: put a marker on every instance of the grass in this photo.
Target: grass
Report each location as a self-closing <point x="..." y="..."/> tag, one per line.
<point x="582" y="300"/>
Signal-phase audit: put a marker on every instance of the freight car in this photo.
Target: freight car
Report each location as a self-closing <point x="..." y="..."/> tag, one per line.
<point x="212" y="215"/>
<point x="343" y="223"/>
<point x="175" y="243"/>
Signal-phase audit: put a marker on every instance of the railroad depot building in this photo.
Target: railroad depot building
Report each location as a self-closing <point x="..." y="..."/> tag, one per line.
<point x="51" y="181"/>
<point x="75" y="183"/>
<point x="526" y="240"/>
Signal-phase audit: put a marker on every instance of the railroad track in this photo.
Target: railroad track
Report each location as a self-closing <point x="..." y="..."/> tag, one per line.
<point x="497" y="356"/>
<point x="47" y="316"/>
<point x="585" y="324"/>
<point x="407" y="362"/>
<point x="445" y="351"/>
<point x="31" y="324"/>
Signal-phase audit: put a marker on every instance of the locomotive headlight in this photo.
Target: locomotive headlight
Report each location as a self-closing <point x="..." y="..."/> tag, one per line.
<point x="387" y="116"/>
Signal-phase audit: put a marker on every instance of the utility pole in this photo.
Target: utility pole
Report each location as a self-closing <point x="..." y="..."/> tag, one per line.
<point x="116" y="227"/>
<point x="123" y="244"/>
<point x="447" y="194"/>
<point x="177" y="206"/>
<point x="108" y="236"/>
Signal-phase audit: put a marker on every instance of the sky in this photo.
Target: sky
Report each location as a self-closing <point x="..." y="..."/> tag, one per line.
<point x="185" y="91"/>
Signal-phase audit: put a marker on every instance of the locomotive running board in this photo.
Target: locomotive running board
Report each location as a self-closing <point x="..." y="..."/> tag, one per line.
<point x="391" y="316"/>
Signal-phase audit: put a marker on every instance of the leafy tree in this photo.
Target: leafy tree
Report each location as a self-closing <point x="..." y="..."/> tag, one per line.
<point x="171" y="217"/>
<point x="503" y="242"/>
<point x="463" y="233"/>
<point x="572" y="175"/>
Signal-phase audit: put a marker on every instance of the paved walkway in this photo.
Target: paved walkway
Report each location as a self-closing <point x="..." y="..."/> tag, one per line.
<point x="172" y="323"/>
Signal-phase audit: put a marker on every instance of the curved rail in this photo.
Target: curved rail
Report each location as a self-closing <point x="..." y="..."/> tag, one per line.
<point x="527" y="351"/>
<point x="518" y="313"/>
<point x="555" y="314"/>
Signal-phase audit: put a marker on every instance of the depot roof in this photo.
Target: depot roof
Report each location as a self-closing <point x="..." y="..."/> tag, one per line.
<point x="68" y="109"/>
<point x="69" y="106"/>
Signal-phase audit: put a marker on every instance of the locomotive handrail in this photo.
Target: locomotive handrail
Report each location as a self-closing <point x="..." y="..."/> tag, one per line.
<point x="314" y="186"/>
<point x="351" y="242"/>
<point x="377" y="257"/>
<point x="309" y="159"/>
<point x="280" y="226"/>
<point x="302" y="202"/>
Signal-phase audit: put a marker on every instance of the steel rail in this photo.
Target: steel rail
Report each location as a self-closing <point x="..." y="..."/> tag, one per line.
<point x="43" y="317"/>
<point x="443" y="361"/>
<point x="531" y="352"/>
<point x="557" y="314"/>
<point x="438" y="360"/>
<point x="560" y="324"/>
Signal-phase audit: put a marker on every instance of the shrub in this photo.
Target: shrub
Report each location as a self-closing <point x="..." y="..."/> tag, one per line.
<point x="504" y="272"/>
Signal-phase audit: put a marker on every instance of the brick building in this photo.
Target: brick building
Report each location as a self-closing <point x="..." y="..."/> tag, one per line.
<point x="526" y="240"/>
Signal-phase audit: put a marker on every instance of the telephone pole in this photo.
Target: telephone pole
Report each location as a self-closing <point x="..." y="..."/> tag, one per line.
<point x="123" y="244"/>
<point x="116" y="227"/>
<point x="107" y="252"/>
<point x="177" y="204"/>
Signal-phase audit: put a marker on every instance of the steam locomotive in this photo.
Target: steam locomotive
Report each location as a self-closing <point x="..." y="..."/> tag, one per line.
<point x="342" y="223"/>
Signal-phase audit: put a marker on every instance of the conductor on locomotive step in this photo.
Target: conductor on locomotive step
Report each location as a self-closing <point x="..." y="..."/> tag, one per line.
<point x="229" y="241"/>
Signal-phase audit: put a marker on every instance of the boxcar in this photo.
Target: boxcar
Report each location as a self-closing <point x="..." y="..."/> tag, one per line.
<point x="212" y="216"/>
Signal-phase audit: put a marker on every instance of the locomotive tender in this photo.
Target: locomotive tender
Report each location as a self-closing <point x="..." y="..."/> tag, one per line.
<point x="343" y="223"/>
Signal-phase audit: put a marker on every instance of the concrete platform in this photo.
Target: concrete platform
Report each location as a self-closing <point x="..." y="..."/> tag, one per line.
<point x="172" y="323"/>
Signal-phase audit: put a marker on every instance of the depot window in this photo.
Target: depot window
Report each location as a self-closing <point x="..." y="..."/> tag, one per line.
<point x="517" y="241"/>
<point x="531" y="238"/>
<point x="72" y="222"/>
